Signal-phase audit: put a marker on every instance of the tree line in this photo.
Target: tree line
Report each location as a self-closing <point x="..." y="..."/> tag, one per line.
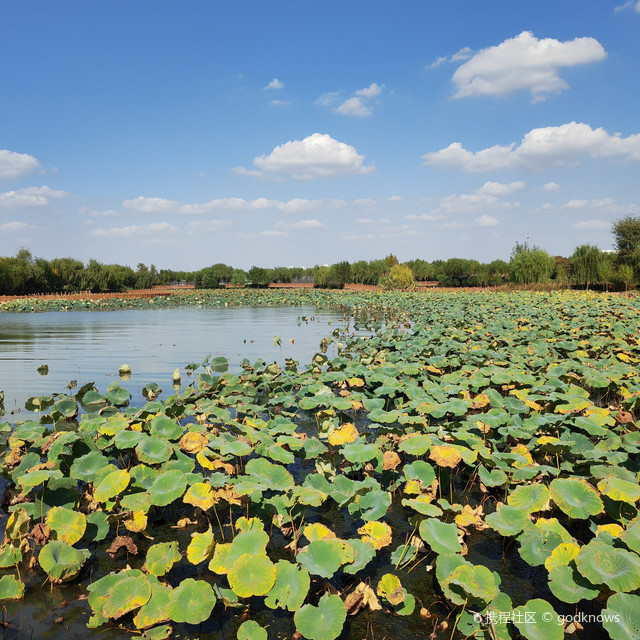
<point x="587" y="267"/>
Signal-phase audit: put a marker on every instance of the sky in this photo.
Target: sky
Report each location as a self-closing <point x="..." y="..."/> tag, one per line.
<point x="295" y="133"/>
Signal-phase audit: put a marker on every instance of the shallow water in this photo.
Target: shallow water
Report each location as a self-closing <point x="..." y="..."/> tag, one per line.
<point x="90" y="346"/>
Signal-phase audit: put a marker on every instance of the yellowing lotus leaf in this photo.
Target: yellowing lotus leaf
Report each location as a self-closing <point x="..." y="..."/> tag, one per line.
<point x="346" y="434"/>
<point x="355" y="382"/>
<point x="200" y="495"/>
<point x="613" y="529"/>
<point x="562" y="555"/>
<point x="317" y="531"/>
<point x="194" y="442"/>
<point x="136" y="522"/>
<point x="445" y="456"/>
<point x="377" y="533"/>
<point x="390" y="588"/>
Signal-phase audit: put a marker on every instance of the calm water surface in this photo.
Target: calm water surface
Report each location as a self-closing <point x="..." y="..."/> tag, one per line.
<point x="89" y="346"/>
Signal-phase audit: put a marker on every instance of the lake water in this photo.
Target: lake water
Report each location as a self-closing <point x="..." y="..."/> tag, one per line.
<point x="90" y="346"/>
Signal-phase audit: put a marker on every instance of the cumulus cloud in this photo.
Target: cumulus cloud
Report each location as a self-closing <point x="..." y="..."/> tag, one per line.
<point x="142" y="204"/>
<point x="592" y="224"/>
<point x="14" y="165"/>
<point x="15" y="226"/>
<point x="272" y="233"/>
<point x="316" y="156"/>
<point x="353" y="107"/>
<point x="463" y="54"/>
<point x="136" y="230"/>
<point x="540" y="148"/>
<point x="197" y="226"/>
<point x="300" y="225"/>
<point x="524" y="63"/>
<point x="275" y="84"/>
<point x="95" y="213"/>
<point x="487" y="197"/>
<point x="30" y="197"/>
<point x="360" y="104"/>
<point x="485" y="221"/>
<point x="373" y="90"/>
<point x="551" y="187"/>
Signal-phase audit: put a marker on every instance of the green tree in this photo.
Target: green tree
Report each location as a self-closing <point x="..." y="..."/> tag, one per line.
<point x="530" y="265"/>
<point x="625" y="276"/>
<point x="391" y="260"/>
<point x="626" y="232"/>
<point x="400" y="277"/>
<point x="586" y="265"/>
<point x="259" y="277"/>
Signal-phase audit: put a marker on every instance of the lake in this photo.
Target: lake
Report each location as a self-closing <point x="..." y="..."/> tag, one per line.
<point x="90" y="346"/>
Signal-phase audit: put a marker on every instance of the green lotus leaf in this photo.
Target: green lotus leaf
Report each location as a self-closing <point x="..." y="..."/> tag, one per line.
<point x="167" y="487"/>
<point x="251" y="630"/>
<point x="252" y="575"/>
<point x="251" y="542"/>
<point x="275" y="476"/>
<point x="507" y="520"/>
<point x="117" y="395"/>
<point x="10" y="588"/>
<point x="422" y="506"/>
<point x="161" y="557"/>
<point x="166" y="428"/>
<point x="201" y="546"/>
<point x="139" y="501"/>
<point x="128" y="594"/>
<point x="9" y="555"/>
<point x="537" y="620"/>
<point x="17" y="524"/>
<point x="192" y="602"/>
<point x="99" y="592"/>
<point x="472" y="583"/>
<point x="323" y="622"/>
<point x="440" y="536"/>
<point x="154" y="450"/>
<point x="61" y="561"/>
<point x="324" y="557"/>
<point x="372" y="505"/>
<point x="97" y="526"/>
<point x="127" y="439"/>
<point x="621" y="618"/>
<point x="577" y="498"/>
<point x="290" y="588"/>
<point x="538" y="541"/>
<point x="69" y="525"/>
<point x="568" y="585"/>
<point x="155" y="610"/>
<point x="162" y="632"/>
<point x="420" y="470"/>
<point x="493" y="478"/>
<point x="111" y="485"/>
<point x="602" y="564"/>
<point x="364" y="552"/>
<point x="30" y="480"/>
<point x="631" y="537"/>
<point x="85" y="467"/>
<point x="359" y="451"/>
<point x="621" y="490"/>
<point x="416" y="445"/>
<point x="530" y="497"/>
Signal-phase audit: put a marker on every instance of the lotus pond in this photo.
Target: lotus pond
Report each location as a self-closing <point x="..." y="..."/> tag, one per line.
<point x="469" y="469"/>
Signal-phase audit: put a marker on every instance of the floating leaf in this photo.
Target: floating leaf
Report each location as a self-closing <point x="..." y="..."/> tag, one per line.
<point x="111" y="485"/>
<point x="153" y="450"/>
<point x="251" y="630"/>
<point x="445" y="456"/>
<point x="128" y="594"/>
<point x="440" y="536"/>
<point x="201" y="546"/>
<point x="324" y="557"/>
<point x="290" y="588"/>
<point x="10" y="588"/>
<point x="537" y="620"/>
<point x="252" y="575"/>
<point x="530" y="497"/>
<point x="61" y="561"/>
<point x="167" y="487"/>
<point x="154" y="611"/>
<point x="602" y="564"/>
<point x="621" y="618"/>
<point x="69" y="525"/>
<point x="618" y="489"/>
<point x="200" y="495"/>
<point x="376" y="533"/>
<point x="192" y="602"/>
<point x="577" y="498"/>
<point x="345" y="434"/>
<point x="508" y="520"/>
<point x="161" y="557"/>
<point x="390" y="588"/>
<point x="323" y="622"/>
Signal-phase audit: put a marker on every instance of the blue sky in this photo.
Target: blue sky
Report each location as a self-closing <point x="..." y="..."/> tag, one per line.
<point x="300" y="133"/>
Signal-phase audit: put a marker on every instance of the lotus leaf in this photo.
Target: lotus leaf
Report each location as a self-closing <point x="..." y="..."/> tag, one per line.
<point x="440" y="536"/>
<point x="471" y="582"/>
<point x="69" y="525"/>
<point x="359" y="451"/>
<point x="17" y="524"/>
<point x="531" y="497"/>
<point x="508" y="520"/>
<point x="165" y="428"/>
<point x="577" y="498"/>
<point x="155" y="610"/>
<point x="167" y="487"/>
<point x="34" y="478"/>
<point x="621" y="618"/>
<point x="568" y="585"/>
<point x="97" y="526"/>
<point x="9" y="555"/>
<point x="376" y="533"/>
<point x="61" y="561"/>
<point x="251" y="630"/>
<point x="252" y="575"/>
<point x="194" y="442"/>
<point x="372" y="505"/>
<point x="364" y="551"/>
<point x="562" y="555"/>
<point x="111" y="485"/>
<point x="251" y="542"/>
<point x="161" y="557"/>
<point x="117" y="395"/>
<point x="317" y="531"/>
<point x="10" y="588"/>
<point x="127" y="594"/>
<point x="153" y="450"/>
<point x="275" y="476"/>
<point x="200" y="495"/>
<point x="201" y="546"/>
<point x="324" y="557"/>
<point x="85" y="467"/>
<point x="323" y="622"/>
<point x="493" y="478"/>
<point x="391" y="590"/>
<point x="602" y="564"/>
<point x="415" y="445"/>
<point x="618" y="489"/>
<point x="346" y="434"/>
<point x="127" y="439"/>
<point x="192" y="602"/>
<point x="445" y="456"/>
<point x="290" y="588"/>
<point x="537" y="620"/>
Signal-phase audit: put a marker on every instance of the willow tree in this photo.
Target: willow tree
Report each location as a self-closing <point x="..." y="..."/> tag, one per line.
<point x="530" y="265"/>
<point x="587" y="264"/>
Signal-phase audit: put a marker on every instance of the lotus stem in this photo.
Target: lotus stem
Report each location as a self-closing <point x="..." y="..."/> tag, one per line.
<point x="219" y="523"/>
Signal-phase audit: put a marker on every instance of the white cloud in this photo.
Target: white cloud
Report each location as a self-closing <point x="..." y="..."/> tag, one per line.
<point x="372" y="91"/>
<point x="429" y="217"/>
<point x="280" y="103"/>
<point x="631" y="4"/>
<point x="300" y="225"/>
<point x="94" y="213"/>
<point x="501" y="189"/>
<point x="136" y="230"/>
<point x="524" y="63"/>
<point x="14" y="165"/>
<point x="353" y="107"/>
<point x="275" y="84"/>
<point x="592" y="224"/>
<point x="487" y="197"/>
<point x="463" y="54"/>
<point x="551" y="187"/>
<point x="540" y="148"/>
<point x="272" y="233"/>
<point x="329" y="98"/>
<point x="485" y="221"/>
<point x="395" y="199"/>
<point x="142" y="204"/>
<point x="30" y="197"/>
<point x="15" y="226"/>
<point x="317" y="156"/>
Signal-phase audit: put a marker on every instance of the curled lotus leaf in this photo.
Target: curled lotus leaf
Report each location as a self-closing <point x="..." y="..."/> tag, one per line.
<point x="69" y="525"/>
<point x="601" y="563"/>
<point x="10" y="588"/>
<point x="493" y="478"/>
<point x="200" y="495"/>
<point x="252" y="575"/>
<point x="34" y="478"/>
<point x="136" y="522"/>
<point x="201" y="546"/>
<point x="323" y="622"/>
<point x="194" y="442"/>
<point x="345" y="434"/>
<point x="364" y="552"/>
<point x="167" y="487"/>
<point x="577" y="498"/>
<point x="568" y="585"/>
<point x="440" y="536"/>
<point x="379" y="534"/>
<point x="192" y="602"/>
<point x="359" y="451"/>
<point x="290" y="588"/>
<point x="445" y="456"/>
<point x="61" y="561"/>
<point x="473" y="582"/>
<point x="111" y="485"/>
<point x="18" y="524"/>
<point x="251" y="630"/>
<point x="218" y="563"/>
<point x="154" y="450"/>
<point x="621" y="618"/>
<point x="530" y="497"/>
<point x="161" y="557"/>
<point x="420" y="470"/>
<point x="619" y="489"/>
